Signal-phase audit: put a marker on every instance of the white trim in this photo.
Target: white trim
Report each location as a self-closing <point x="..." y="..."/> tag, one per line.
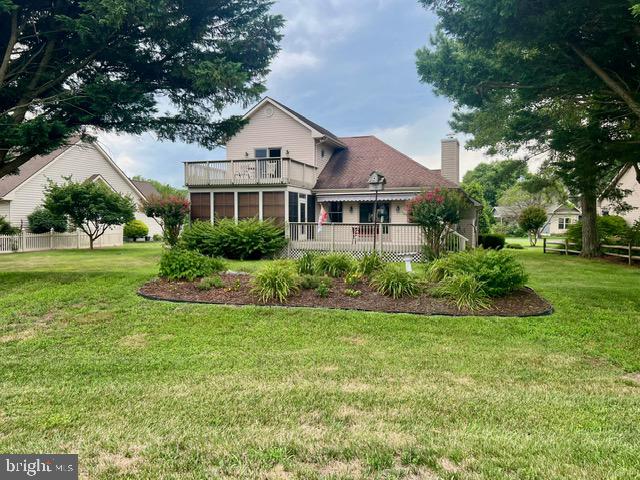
<point x="235" y="206"/>
<point x="260" y="205"/>
<point x="211" y="206"/>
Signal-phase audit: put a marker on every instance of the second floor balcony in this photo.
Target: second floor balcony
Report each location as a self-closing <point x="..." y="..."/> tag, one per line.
<point x="256" y="171"/>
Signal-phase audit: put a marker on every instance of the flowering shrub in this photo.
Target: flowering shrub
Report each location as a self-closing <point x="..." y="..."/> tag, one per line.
<point x="170" y="212"/>
<point x="436" y="212"/>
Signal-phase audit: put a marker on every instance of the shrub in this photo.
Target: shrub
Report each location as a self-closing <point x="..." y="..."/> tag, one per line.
<point x="306" y="262"/>
<point x="531" y="220"/>
<point x="182" y="264"/>
<point x="352" y="293"/>
<point x="42" y="220"/>
<point x="276" y="281"/>
<point x="157" y="238"/>
<point x="465" y="290"/>
<point x="495" y="241"/>
<point x="247" y="240"/>
<point x="370" y="263"/>
<point x="311" y="282"/>
<point x="135" y="229"/>
<point x="497" y="270"/>
<point x="514" y="246"/>
<point x="208" y="283"/>
<point x="6" y="228"/>
<point x="170" y="212"/>
<point x="323" y="290"/>
<point x="395" y="283"/>
<point x="611" y="229"/>
<point x="333" y="264"/>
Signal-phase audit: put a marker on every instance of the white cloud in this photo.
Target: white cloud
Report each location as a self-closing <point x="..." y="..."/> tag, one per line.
<point x="287" y="63"/>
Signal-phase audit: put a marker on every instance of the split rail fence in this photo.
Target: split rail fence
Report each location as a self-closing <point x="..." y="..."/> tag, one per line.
<point x="628" y="252"/>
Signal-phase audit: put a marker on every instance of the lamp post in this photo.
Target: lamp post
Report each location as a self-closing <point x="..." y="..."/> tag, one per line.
<point x="376" y="183"/>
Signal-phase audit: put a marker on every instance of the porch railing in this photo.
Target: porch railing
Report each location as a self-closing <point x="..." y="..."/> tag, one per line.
<point x="394" y="240"/>
<point x="256" y="171"/>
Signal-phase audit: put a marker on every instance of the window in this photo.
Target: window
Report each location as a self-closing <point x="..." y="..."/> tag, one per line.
<point x="366" y="212"/>
<point x="223" y="205"/>
<point x="273" y="206"/>
<point x="248" y="205"/>
<point x="201" y="206"/>
<point x="335" y="212"/>
<point x="293" y="207"/>
<point x="563" y="223"/>
<point x="268" y="152"/>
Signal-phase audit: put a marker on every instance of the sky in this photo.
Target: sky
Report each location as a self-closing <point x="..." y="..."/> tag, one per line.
<point x="348" y="65"/>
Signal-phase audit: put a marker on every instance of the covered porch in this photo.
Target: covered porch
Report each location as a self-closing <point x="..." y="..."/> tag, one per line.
<point x="394" y="241"/>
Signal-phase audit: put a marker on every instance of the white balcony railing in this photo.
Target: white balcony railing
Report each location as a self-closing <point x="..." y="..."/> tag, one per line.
<point x="257" y="171"/>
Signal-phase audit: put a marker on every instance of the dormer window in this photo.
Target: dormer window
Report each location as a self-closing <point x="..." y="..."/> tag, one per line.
<point x="268" y="152"/>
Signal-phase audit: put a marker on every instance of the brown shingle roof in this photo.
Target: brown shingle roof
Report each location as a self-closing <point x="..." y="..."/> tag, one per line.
<point x="146" y="188"/>
<point x="10" y="182"/>
<point x="350" y="167"/>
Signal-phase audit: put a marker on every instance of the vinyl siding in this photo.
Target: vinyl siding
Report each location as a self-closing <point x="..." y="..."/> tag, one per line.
<point x="322" y="161"/>
<point x="278" y="130"/>
<point x="628" y="182"/>
<point x="80" y="162"/>
<point x="4" y="209"/>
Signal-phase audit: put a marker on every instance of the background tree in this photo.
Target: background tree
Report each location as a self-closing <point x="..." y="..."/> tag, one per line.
<point x="42" y="220"/>
<point x="542" y="76"/>
<point x="70" y="64"/>
<point x="485" y="216"/>
<point x="164" y="189"/>
<point x="542" y="190"/>
<point x="436" y="212"/>
<point x="170" y="213"/>
<point x="496" y="177"/>
<point x="90" y="206"/>
<point x="531" y="220"/>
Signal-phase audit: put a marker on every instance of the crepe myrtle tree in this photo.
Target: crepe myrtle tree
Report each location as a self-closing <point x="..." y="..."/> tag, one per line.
<point x="91" y="207"/>
<point x="436" y="212"/>
<point x="128" y="66"/>
<point x="531" y="220"/>
<point x="170" y="213"/>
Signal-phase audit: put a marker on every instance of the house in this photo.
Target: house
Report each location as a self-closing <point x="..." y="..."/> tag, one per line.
<point x="21" y="194"/>
<point x="560" y="218"/>
<point x="283" y="166"/>
<point x="626" y="179"/>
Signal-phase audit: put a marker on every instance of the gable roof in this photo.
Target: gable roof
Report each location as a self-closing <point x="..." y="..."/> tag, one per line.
<point x="296" y="116"/>
<point x="349" y="168"/>
<point x="146" y="188"/>
<point x="10" y="182"/>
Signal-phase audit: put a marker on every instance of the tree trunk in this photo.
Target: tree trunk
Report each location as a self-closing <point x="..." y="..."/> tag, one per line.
<point x="91" y="240"/>
<point x="590" y="246"/>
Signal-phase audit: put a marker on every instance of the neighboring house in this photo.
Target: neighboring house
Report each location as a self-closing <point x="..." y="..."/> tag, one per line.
<point x="560" y="218"/>
<point x="282" y="165"/>
<point x="625" y="180"/>
<point x="21" y="194"/>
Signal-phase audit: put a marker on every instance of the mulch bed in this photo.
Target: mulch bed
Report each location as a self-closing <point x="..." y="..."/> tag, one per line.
<point x="237" y="291"/>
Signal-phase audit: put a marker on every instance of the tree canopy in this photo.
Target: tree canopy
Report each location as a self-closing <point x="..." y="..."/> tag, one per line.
<point x="553" y="77"/>
<point x="166" y="66"/>
<point x="496" y="177"/>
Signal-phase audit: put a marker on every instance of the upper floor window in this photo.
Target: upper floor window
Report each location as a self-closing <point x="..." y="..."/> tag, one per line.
<point x="268" y="152"/>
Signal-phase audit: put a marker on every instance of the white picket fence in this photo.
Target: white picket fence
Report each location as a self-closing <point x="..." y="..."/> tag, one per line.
<point x="33" y="242"/>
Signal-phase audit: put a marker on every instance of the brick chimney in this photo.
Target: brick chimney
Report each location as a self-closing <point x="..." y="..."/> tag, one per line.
<point x="450" y="158"/>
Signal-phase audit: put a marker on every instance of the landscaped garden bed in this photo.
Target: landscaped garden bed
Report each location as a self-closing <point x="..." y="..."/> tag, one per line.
<point x="237" y="290"/>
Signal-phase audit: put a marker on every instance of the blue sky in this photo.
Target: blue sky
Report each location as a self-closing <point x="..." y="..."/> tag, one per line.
<point x="349" y="65"/>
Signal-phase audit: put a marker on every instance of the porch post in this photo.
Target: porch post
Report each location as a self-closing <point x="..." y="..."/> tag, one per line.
<point x="333" y="237"/>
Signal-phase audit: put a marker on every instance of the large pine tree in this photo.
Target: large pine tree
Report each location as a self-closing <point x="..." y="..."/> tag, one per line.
<point x="165" y="66"/>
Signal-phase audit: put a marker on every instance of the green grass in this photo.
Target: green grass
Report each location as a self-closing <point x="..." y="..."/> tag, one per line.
<point x="144" y="389"/>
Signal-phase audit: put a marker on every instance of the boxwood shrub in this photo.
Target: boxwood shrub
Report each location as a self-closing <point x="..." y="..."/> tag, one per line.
<point x="495" y="241"/>
<point x="611" y="229"/>
<point x="247" y="240"/>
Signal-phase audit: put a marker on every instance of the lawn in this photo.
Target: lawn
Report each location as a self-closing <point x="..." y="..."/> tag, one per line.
<point x="144" y="389"/>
